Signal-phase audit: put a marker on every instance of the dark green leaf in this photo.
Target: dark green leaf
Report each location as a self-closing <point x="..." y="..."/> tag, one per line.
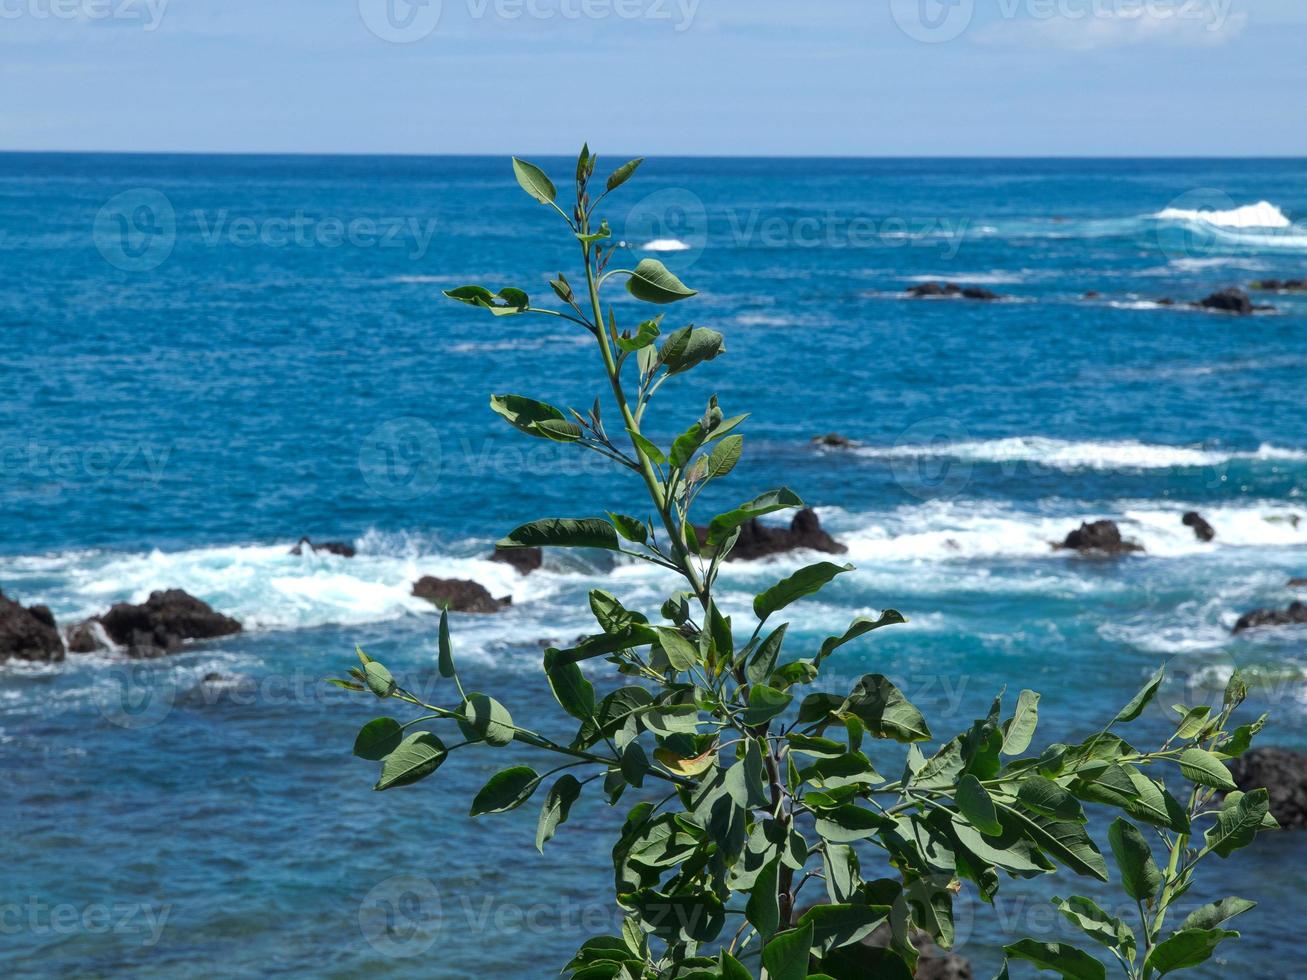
<point x="1140" y="876"/>
<point x="1201" y="767"/>
<point x="804" y="582"/>
<point x="1186" y="949"/>
<point x="624" y="173"/>
<point x="1070" y="962"/>
<point x="1238" y="821"/>
<point x="507" y="302"/>
<point x="1143" y="699"/>
<point x="417" y="757"/>
<point x="446" y="648"/>
<point x="486" y="719"/>
<point x="557" y="532"/>
<point x="763" y="910"/>
<point x="1019" y="731"/>
<point x="629" y="528"/>
<point x="681" y="652"/>
<point x="976" y="805"/>
<point x="653" y="283"/>
<point x="379" y="680"/>
<point x="723" y="524"/>
<point x="534" y="181"/>
<point x="535" y="418"/>
<point x="378" y="738"/>
<point x="1046" y="797"/>
<point x="786" y="956"/>
<point x="574" y="693"/>
<point x="1217" y="913"/>
<point x="765" y="703"/>
<point x="558" y="804"/>
<point x="859" y="627"/>
<point x="884" y="711"/>
<point x="507" y="790"/>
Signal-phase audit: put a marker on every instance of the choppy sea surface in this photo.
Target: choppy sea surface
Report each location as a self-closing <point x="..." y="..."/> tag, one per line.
<point x="208" y="357"/>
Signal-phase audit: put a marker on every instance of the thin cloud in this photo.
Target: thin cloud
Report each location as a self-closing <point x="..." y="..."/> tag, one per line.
<point x="1095" y="31"/>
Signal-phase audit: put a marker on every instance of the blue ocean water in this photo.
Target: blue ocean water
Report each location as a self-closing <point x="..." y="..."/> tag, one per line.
<point x="208" y="357"/>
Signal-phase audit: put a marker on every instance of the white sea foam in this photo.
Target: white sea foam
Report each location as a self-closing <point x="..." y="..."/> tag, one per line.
<point x="1264" y="214"/>
<point x="1071" y="455"/>
<point x="666" y="245"/>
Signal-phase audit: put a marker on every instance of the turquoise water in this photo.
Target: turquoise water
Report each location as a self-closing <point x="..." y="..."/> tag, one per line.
<point x="208" y="357"/>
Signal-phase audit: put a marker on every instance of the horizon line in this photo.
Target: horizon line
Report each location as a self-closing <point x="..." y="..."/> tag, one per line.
<point x="651" y="156"/>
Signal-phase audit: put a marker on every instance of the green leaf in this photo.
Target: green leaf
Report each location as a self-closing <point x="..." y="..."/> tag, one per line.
<point x="1090" y="919"/>
<point x="378" y="738"/>
<point x="446" y="648"/>
<point x="1238" y="821"/>
<point x="836" y="926"/>
<point x="1061" y="840"/>
<point x="723" y="524"/>
<point x="1019" y="731"/>
<point x="624" y="173"/>
<point x="1186" y="949"/>
<point x="804" y="582"/>
<point x="1070" y="962"/>
<point x="417" y="757"/>
<point x="681" y="652"/>
<point x="629" y="528"/>
<point x="1217" y="913"/>
<point x="509" y="301"/>
<point x="1201" y="767"/>
<point x="652" y="282"/>
<point x="763" y="661"/>
<point x="1194" y="721"/>
<point x="885" y="712"/>
<point x="379" y="680"/>
<point x="786" y="956"/>
<point x="507" y="790"/>
<point x="1143" y="699"/>
<point x="696" y="916"/>
<point x="535" y="418"/>
<point x="557" y="532"/>
<point x="976" y="805"/>
<point x="558" y="804"/>
<point x="1140" y="876"/>
<point x="724" y="457"/>
<point x="848" y="823"/>
<point x="699" y="345"/>
<point x="486" y="719"/>
<point x="645" y="334"/>
<point x="763" y="910"/>
<point x="574" y="693"/>
<point x="1046" y="797"/>
<point x="859" y="627"/>
<point x="655" y="454"/>
<point x="765" y="703"/>
<point x="534" y="181"/>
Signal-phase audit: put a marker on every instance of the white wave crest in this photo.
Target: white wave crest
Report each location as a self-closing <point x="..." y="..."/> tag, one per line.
<point x="666" y="245"/>
<point x="1264" y="214"/>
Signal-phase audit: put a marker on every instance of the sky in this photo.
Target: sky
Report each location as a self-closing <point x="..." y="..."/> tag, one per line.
<point x="700" y="77"/>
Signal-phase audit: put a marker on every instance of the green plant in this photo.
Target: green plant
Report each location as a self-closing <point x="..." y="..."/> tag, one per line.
<point x="764" y="790"/>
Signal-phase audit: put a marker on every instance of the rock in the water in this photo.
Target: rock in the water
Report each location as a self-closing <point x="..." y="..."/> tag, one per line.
<point x="1100" y="537"/>
<point x="1093" y="294"/>
<point x="1202" y="530"/>
<point x="928" y="290"/>
<point x="833" y="440"/>
<point x="457" y="595"/>
<point x="331" y="547"/>
<point x="1295" y="615"/>
<point x="161" y="623"/>
<point x="28" y="634"/>
<point x="866" y="958"/>
<point x="1284" y="775"/>
<point x="758" y="540"/>
<point x="524" y="560"/>
<point x="1229" y="301"/>
<point x="1280" y="285"/>
<point x="87" y="637"/>
<point x="1298" y="583"/>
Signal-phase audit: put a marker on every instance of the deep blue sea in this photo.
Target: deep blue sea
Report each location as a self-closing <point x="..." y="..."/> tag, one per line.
<point x="207" y="357"/>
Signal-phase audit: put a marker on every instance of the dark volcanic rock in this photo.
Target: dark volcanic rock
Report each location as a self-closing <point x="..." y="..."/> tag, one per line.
<point x="458" y="595"/>
<point x="758" y="540"/>
<point x="525" y="560"/>
<point x="928" y="290"/>
<point x="86" y="637"/>
<point x="1093" y="294"/>
<point x="1100" y="537"/>
<point x="161" y="623"/>
<point x="834" y="440"/>
<point x="331" y="547"/>
<point x="28" y="634"/>
<point x="1280" y="285"/>
<point x="1231" y="301"/>
<point x="1298" y="583"/>
<point x="1202" y="530"/>
<point x="870" y="959"/>
<point x="1295" y="615"/>
<point x="1284" y="775"/>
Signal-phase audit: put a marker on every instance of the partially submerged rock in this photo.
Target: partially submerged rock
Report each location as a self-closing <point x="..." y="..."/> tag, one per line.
<point x="524" y="560"/>
<point x="758" y="540"/>
<point x="163" y="622"/>
<point x="1295" y="615"/>
<point x="1099" y="538"/>
<point x="331" y="547"/>
<point x="1280" y="285"/>
<point x="458" y="595"/>
<point x="1231" y="301"/>
<point x="929" y="290"/>
<point x="87" y="637"/>
<point x="28" y="634"/>
<point x="1202" y="530"/>
<point x="1281" y="773"/>
<point x="833" y="440"/>
<point x="1297" y="583"/>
